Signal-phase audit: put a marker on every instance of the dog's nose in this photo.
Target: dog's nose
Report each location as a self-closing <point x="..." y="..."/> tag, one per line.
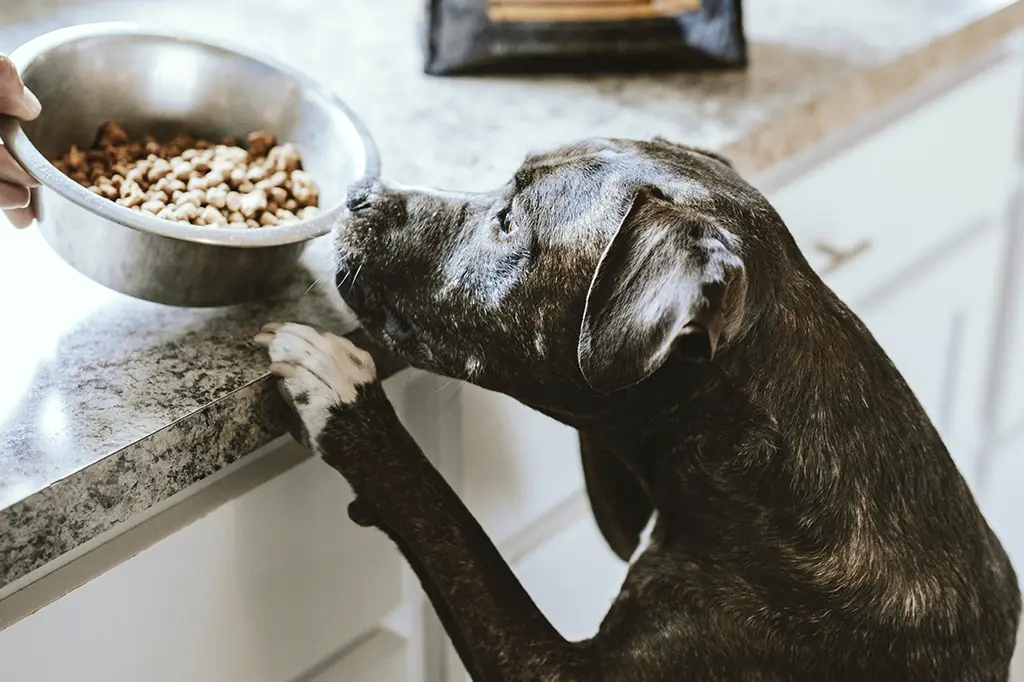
<point x="362" y="193"/>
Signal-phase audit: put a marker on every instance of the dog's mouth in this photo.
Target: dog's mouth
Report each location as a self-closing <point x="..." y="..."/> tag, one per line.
<point x="377" y="314"/>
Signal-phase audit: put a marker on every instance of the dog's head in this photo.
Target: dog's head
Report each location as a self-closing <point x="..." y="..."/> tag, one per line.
<point x="590" y="267"/>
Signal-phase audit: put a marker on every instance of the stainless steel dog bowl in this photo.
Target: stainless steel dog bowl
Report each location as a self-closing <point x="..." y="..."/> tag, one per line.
<point x="160" y="83"/>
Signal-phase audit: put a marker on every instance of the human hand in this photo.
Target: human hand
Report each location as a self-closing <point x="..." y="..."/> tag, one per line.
<point x="15" y="100"/>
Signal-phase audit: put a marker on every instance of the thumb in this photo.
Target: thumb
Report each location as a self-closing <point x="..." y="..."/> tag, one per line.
<point x="15" y="98"/>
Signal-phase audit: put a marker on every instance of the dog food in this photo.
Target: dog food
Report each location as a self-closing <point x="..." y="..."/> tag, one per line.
<point x="196" y="181"/>
<point x="485" y="36"/>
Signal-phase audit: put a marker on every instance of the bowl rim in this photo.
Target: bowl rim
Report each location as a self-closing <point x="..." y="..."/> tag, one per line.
<point x="46" y="174"/>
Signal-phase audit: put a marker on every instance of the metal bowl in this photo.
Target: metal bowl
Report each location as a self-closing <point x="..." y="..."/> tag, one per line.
<point x="153" y="82"/>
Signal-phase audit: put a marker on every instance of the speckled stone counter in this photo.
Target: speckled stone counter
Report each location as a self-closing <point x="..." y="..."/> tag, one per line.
<point x="110" y="405"/>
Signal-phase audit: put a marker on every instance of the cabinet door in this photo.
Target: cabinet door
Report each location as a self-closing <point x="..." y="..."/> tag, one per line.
<point x="912" y="191"/>
<point x="1009" y="401"/>
<point x="261" y="589"/>
<point x="1002" y="506"/>
<point x="518" y="464"/>
<point x="937" y="328"/>
<point x="1002" y="509"/>
<point x="574" y="578"/>
<point x="380" y="657"/>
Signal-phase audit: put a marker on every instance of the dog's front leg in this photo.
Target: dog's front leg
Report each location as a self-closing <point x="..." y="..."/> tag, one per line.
<point x="499" y="632"/>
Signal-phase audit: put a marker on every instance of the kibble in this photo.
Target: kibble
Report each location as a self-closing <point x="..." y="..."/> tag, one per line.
<point x="253" y="204"/>
<point x="197" y="181"/>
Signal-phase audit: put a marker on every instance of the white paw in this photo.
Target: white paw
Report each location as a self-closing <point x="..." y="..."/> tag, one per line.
<point x="319" y="370"/>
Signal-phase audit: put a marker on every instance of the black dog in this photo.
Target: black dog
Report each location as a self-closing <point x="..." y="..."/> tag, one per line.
<point x="808" y="523"/>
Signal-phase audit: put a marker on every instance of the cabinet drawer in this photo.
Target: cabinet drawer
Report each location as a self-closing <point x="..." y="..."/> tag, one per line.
<point x="869" y="213"/>
<point x="261" y="589"/>
<point x="518" y="464"/>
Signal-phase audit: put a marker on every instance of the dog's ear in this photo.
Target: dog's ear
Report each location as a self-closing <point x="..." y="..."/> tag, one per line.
<point x="661" y="284"/>
<point x="662" y="142"/>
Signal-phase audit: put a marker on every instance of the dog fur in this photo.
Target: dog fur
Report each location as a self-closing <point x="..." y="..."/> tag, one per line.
<point x="805" y="522"/>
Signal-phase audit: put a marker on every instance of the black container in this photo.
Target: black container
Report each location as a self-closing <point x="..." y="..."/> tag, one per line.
<point x="462" y="39"/>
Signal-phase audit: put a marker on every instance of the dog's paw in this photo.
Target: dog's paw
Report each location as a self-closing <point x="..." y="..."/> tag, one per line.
<point x="318" y="371"/>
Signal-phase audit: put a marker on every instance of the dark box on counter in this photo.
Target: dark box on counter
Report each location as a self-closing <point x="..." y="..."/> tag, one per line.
<point x="574" y="36"/>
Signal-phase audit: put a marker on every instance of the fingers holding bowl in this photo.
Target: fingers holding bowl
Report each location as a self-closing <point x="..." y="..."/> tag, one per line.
<point x="11" y="171"/>
<point x="20" y="217"/>
<point x="15" y="99"/>
<point x="18" y="101"/>
<point x="15" y="195"/>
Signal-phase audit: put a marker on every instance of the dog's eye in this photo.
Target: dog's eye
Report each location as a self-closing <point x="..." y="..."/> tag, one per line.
<point x="505" y="221"/>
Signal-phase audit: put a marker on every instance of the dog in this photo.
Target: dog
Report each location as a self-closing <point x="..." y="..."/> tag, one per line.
<point x="804" y="521"/>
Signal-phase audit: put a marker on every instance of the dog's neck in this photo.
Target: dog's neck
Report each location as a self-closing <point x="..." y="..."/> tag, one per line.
<point x="807" y="373"/>
<point x="641" y="412"/>
<point x="648" y="425"/>
<point x="814" y="367"/>
<point x="806" y="369"/>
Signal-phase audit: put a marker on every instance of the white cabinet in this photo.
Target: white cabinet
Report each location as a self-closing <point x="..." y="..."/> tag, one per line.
<point x="258" y="590"/>
<point x="518" y="464"/>
<point x="380" y="657"/>
<point x="918" y="188"/>
<point x="1002" y="506"/>
<point x="574" y="578"/>
<point x="1011" y="400"/>
<point x="1008" y="422"/>
<point x="264" y="588"/>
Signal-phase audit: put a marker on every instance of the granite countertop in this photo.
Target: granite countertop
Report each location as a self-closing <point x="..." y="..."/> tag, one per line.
<point x="110" y="405"/>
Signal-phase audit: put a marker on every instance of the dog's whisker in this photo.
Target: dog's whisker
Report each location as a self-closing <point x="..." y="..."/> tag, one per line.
<point x="355" y="277"/>
<point x="317" y="281"/>
<point x="462" y="377"/>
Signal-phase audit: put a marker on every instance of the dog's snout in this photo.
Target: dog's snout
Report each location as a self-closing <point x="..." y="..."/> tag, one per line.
<point x="362" y="194"/>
